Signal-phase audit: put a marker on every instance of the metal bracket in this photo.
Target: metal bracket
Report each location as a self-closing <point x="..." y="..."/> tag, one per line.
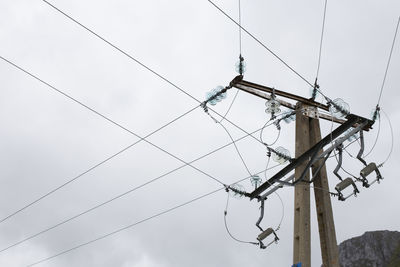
<point x="311" y="112"/>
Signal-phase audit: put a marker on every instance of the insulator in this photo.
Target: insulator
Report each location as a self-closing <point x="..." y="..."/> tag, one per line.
<point x="255" y="180"/>
<point x="352" y="137"/>
<point x="265" y="234"/>
<point x="289" y="117"/>
<point x="218" y="89"/>
<point x="317" y="94"/>
<point x="272" y="106"/>
<point x="339" y="108"/>
<point x="368" y="169"/>
<point x="236" y="187"/>
<point x="280" y="155"/>
<point x="375" y="114"/>
<point x="237" y="67"/>
<point x="215" y="96"/>
<point x="213" y="102"/>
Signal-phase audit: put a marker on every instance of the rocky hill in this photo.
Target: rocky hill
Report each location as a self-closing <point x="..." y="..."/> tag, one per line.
<point x="372" y="249"/>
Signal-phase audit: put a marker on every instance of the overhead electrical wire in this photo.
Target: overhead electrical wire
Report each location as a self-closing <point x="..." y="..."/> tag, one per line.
<point x="118" y="196"/>
<point x="262" y="131"/>
<point x="230" y="107"/>
<point x="388" y="62"/>
<point x="107" y="118"/>
<point x="240" y="29"/>
<point x="138" y="62"/>
<point x="138" y="222"/>
<point x="237" y="149"/>
<point x="378" y="108"/>
<point x="391" y="138"/>
<point x="90" y="169"/>
<point x="261" y="43"/>
<point x="227" y="228"/>
<point x="321" y="41"/>
<point x="376" y="139"/>
<point x="126" y="227"/>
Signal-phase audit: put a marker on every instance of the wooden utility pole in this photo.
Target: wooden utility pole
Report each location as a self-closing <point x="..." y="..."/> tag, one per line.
<point x="302" y="233"/>
<point x="308" y="133"/>
<point x="326" y="224"/>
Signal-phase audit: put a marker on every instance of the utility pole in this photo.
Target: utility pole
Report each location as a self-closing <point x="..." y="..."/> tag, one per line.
<point x="308" y="134"/>
<point x="309" y="155"/>
<point x="302" y="228"/>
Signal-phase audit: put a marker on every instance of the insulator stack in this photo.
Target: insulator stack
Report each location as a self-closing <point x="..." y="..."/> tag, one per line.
<point x="280" y="155"/>
<point x="339" y="108"/>
<point x="237" y="190"/>
<point x="240" y="67"/>
<point x="255" y="180"/>
<point x="273" y="107"/>
<point x="215" y="95"/>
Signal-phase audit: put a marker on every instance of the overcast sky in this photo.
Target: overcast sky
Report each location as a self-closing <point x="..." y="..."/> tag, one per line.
<point x="46" y="139"/>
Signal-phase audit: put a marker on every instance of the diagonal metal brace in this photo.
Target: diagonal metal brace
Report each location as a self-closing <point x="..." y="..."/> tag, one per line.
<point x="351" y="120"/>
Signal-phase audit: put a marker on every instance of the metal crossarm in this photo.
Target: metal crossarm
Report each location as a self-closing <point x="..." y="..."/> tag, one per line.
<point x="312" y="152"/>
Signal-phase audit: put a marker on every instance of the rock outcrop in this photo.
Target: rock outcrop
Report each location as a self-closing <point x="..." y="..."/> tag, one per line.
<point x="372" y="249"/>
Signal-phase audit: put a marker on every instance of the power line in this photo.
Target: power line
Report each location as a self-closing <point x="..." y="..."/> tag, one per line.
<point x="126" y="227"/>
<point x="237" y="149"/>
<point x="227" y="228"/>
<point x="137" y="61"/>
<point x="240" y="29"/>
<point x="121" y="195"/>
<point x="261" y="43"/>
<point x="230" y="106"/>
<point x="107" y="118"/>
<point x="139" y="222"/>
<point x="322" y="38"/>
<point x="388" y="63"/>
<point x="391" y="138"/>
<point x="91" y="168"/>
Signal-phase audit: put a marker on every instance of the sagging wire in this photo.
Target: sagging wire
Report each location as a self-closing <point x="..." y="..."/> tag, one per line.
<point x="227" y="228"/>
<point x="262" y="131"/>
<point x="237" y="149"/>
<point x="277" y="194"/>
<point x="392" y="140"/>
<point x="230" y="106"/>
<point x="287" y="117"/>
<point x="376" y="138"/>
<point x="239" y="192"/>
<point x="376" y="113"/>
<point x="204" y="105"/>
